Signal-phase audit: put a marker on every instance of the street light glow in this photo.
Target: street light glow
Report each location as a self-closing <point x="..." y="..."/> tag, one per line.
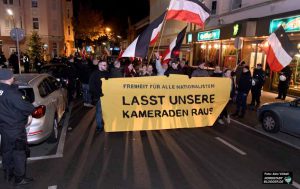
<point x="10" y="12"/>
<point x="118" y="36"/>
<point x="107" y="29"/>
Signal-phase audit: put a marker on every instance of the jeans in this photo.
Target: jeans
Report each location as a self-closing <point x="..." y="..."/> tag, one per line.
<point x="86" y="94"/>
<point x="99" y="115"/>
<point x="241" y="102"/>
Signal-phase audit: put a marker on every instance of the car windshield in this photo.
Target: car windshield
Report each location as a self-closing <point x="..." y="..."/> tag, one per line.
<point x="28" y="93"/>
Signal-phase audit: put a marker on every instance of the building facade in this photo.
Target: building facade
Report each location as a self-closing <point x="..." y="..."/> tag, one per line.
<point x="235" y="31"/>
<point x="51" y="19"/>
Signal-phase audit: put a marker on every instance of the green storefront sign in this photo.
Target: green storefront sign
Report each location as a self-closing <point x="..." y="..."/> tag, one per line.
<point x="290" y="24"/>
<point x="209" y="35"/>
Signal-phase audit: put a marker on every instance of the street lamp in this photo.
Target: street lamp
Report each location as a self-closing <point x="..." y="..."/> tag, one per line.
<point x="17" y="33"/>
<point x="9" y="12"/>
<point x="107" y="29"/>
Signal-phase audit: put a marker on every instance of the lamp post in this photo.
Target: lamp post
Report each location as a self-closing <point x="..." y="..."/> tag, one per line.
<point x="17" y="34"/>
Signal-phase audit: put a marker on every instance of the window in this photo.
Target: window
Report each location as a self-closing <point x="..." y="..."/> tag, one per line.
<point x="69" y="30"/>
<point x="34" y="3"/>
<point x="35" y="23"/>
<point x="44" y="89"/>
<point x="11" y="2"/>
<point x="68" y="13"/>
<point x="7" y="23"/>
<point x="236" y="4"/>
<point x="53" y="83"/>
<point x="213" y="7"/>
<point x="28" y="93"/>
<point x="54" y="49"/>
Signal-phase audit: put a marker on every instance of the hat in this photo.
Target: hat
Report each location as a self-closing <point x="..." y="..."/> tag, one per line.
<point x="247" y="67"/>
<point x="6" y="74"/>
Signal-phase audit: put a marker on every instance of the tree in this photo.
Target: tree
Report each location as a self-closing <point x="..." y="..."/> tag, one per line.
<point x="35" y="46"/>
<point x="89" y="25"/>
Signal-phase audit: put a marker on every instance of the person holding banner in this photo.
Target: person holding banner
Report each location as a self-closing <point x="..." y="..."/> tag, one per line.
<point x="95" y="85"/>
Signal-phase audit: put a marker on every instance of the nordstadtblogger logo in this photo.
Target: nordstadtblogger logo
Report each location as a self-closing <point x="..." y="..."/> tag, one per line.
<point x="288" y="179"/>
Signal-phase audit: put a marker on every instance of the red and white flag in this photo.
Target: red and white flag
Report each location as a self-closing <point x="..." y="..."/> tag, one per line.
<point x="192" y="11"/>
<point x="174" y="47"/>
<point x="280" y="51"/>
<point x="139" y="47"/>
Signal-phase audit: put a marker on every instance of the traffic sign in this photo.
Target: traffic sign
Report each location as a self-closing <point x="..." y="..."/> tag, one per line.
<point x="17" y="34"/>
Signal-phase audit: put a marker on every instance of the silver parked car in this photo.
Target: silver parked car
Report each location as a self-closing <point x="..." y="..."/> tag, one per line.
<point x="50" y="102"/>
<point x="280" y="116"/>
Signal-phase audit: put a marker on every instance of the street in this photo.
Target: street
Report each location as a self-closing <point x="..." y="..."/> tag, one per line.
<point x="212" y="157"/>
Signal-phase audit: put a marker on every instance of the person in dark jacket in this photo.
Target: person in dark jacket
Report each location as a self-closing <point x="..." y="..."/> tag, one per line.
<point x="258" y="81"/>
<point x="200" y="71"/>
<point x="239" y="71"/>
<point x="13" y="60"/>
<point x="14" y="116"/>
<point x="173" y="69"/>
<point x="95" y="86"/>
<point x="284" y="82"/>
<point x="243" y="89"/>
<point x="2" y="60"/>
<point x="117" y="71"/>
<point x="85" y="70"/>
<point x="217" y="72"/>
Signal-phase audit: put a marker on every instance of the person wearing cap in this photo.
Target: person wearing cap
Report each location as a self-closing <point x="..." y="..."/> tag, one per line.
<point x="243" y="89"/>
<point x="258" y="80"/>
<point x="15" y="114"/>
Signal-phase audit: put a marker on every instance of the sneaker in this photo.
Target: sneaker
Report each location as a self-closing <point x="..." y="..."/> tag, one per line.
<point x="88" y="105"/>
<point x="220" y="121"/>
<point x="228" y="119"/>
<point x="23" y="181"/>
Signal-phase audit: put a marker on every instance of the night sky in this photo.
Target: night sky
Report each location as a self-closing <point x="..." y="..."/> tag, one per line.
<point x="116" y="12"/>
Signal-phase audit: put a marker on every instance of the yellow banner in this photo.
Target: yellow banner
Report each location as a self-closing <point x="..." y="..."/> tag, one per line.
<point x="160" y="102"/>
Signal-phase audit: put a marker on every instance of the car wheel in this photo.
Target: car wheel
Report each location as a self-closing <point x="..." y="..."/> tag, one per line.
<point x="270" y="122"/>
<point x="54" y="134"/>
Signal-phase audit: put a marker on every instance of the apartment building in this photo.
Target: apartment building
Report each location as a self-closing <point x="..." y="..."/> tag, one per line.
<point x="235" y="31"/>
<point x="51" y="19"/>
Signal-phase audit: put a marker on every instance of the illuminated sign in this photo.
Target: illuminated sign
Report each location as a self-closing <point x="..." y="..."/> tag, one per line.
<point x="209" y="35"/>
<point x="189" y="37"/>
<point x="290" y="24"/>
<point x="236" y="29"/>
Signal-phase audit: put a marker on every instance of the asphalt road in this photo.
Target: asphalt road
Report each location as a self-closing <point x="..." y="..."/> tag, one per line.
<point x="212" y="157"/>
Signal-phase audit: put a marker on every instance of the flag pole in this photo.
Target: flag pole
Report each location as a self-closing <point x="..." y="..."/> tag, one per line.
<point x="160" y="33"/>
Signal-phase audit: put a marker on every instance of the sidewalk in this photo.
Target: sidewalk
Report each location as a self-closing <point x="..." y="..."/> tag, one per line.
<point x="251" y="120"/>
